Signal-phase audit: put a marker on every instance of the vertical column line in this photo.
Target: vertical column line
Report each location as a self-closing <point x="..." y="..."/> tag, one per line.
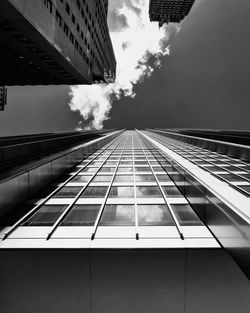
<point x="165" y="198"/>
<point x="135" y="199"/>
<point x="107" y="193"/>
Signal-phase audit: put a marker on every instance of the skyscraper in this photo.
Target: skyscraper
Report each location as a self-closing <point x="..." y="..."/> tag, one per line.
<point x="3" y="97"/>
<point x="144" y="222"/>
<point x="55" y="42"/>
<point x="166" y="11"/>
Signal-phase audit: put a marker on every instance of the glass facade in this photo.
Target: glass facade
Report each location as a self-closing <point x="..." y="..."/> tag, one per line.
<point x="120" y="191"/>
<point x="235" y="172"/>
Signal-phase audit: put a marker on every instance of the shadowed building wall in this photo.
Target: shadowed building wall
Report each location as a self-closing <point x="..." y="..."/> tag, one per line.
<point x="55" y="42"/>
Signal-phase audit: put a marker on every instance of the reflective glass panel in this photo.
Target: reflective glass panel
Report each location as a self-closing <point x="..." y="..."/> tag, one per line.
<point x="94" y="192"/>
<point x="102" y="178"/>
<point x="234" y="168"/>
<point x="121" y="192"/>
<point x="157" y="169"/>
<point x="245" y="188"/>
<point x="247" y="176"/>
<point x="126" y="163"/>
<point x="82" y="215"/>
<point x="47" y="215"/>
<point x="154" y="163"/>
<point x="124" y="178"/>
<point x="144" y="178"/>
<point x="163" y="178"/>
<point x="111" y="163"/>
<point x="67" y="192"/>
<point x="80" y="179"/>
<point x="141" y="162"/>
<point x="143" y="169"/>
<point x="231" y="177"/>
<point x="125" y="169"/>
<point x="118" y="215"/>
<point x="154" y="215"/>
<point x="148" y="192"/>
<point x="106" y="170"/>
<point x="89" y="170"/>
<point x="96" y="163"/>
<point x="172" y="192"/>
<point x="185" y="215"/>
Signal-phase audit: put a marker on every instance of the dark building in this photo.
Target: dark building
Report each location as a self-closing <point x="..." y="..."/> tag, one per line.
<point x="166" y="11"/>
<point x="141" y="221"/>
<point x="3" y="97"/>
<point x="55" y="42"/>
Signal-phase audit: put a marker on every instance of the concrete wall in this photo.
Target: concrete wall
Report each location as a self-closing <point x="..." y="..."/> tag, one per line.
<point x="134" y="281"/>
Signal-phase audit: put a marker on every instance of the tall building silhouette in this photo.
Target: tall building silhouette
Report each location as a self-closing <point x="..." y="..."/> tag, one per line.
<point x="166" y="11"/>
<point x="55" y="42"/>
<point x="142" y="221"/>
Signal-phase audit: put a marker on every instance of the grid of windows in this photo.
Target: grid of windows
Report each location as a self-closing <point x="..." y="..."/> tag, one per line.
<point x="233" y="171"/>
<point x="121" y="190"/>
<point x="171" y="10"/>
<point x="89" y="34"/>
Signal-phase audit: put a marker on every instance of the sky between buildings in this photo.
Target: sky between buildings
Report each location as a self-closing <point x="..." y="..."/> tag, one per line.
<point x="203" y="83"/>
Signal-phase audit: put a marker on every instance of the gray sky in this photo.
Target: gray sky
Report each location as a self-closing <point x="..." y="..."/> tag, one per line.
<point x="203" y="83"/>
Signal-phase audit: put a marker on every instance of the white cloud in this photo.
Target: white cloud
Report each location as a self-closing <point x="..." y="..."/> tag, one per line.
<point x="133" y="44"/>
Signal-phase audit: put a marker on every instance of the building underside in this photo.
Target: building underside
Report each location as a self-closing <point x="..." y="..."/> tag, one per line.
<point x="50" y="42"/>
<point x="166" y="11"/>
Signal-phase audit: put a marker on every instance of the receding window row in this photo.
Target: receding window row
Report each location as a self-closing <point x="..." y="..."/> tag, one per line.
<point x="234" y="172"/>
<point x="118" y="192"/>
<point x="126" y="178"/>
<point x="115" y="215"/>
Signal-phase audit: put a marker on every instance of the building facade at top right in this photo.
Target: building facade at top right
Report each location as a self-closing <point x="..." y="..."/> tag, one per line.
<point x="166" y="11"/>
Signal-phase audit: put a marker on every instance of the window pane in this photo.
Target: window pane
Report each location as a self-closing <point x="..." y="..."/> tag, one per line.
<point x="102" y="178"/>
<point x="247" y="176"/>
<point x="121" y="192"/>
<point x="231" y="177"/>
<point x="141" y="162"/>
<point x="124" y="178"/>
<point x="158" y="169"/>
<point x="126" y="163"/>
<point x="82" y="215"/>
<point x="46" y="215"/>
<point x="118" y="214"/>
<point x="96" y="163"/>
<point x="148" y="192"/>
<point x="144" y="178"/>
<point x="185" y="215"/>
<point x="107" y="170"/>
<point x="125" y="169"/>
<point x="89" y="169"/>
<point x="171" y="192"/>
<point x="143" y="169"/>
<point x="154" y="215"/>
<point x="95" y="192"/>
<point x="111" y="163"/>
<point x="67" y="192"/>
<point x="80" y="179"/>
<point x="245" y="188"/>
<point x="163" y="178"/>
